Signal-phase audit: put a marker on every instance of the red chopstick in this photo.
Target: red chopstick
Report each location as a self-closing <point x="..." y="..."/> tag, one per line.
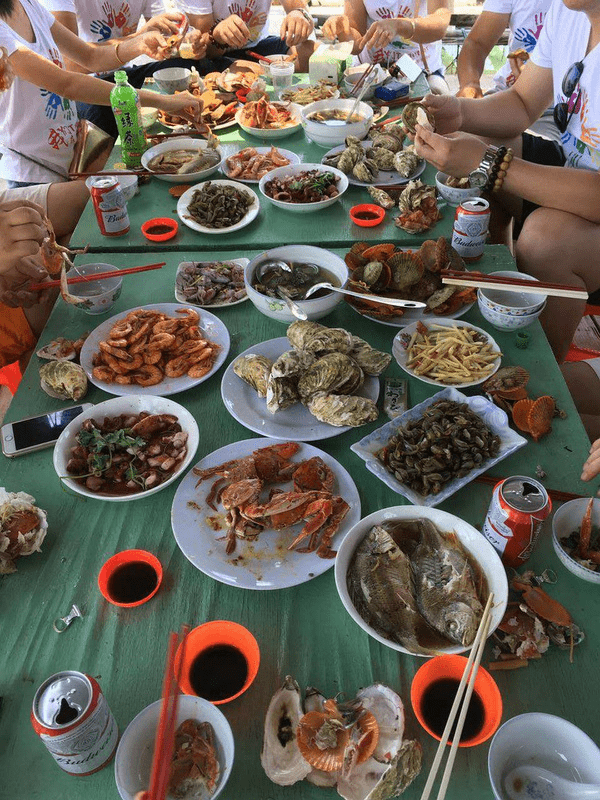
<point x="38" y="287"/>
<point x="555" y="494"/>
<point x="477" y="276"/>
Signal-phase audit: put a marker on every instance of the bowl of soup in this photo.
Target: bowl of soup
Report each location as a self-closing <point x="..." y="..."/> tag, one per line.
<point x="326" y="122"/>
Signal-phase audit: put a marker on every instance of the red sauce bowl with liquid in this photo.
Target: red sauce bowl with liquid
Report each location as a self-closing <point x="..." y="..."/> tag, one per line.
<point x="160" y="229"/>
<point x="367" y="215"/>
<point x="130" y="578"/>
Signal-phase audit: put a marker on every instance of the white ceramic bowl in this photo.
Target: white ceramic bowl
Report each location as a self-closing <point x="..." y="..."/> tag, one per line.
<point x="507" y="322"/>
<point x="514" y="304"/>
<point x="566" y="520"/>
<point x="353" y="74"/>
<point x="452" y="195"/>
<point x="133" y="760"/>
<point x="315" y="307"/>
<point x="475" y="544"/>
<point x="173" y="79"/>
<point x="181" y="143"/>
<point x="332" y="135"/>
<point x="272" y="133"/>
<point x="296" y="169"/>
<point x="100" y="296"/>
<point x="127" y="404"/>
<point x="128" y="184"/>
<point x="546" y="741"/>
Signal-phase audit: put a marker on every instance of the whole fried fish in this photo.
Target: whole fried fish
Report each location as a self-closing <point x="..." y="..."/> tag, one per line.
<point x="381" y="587"/>
<point x="446" y="593"/>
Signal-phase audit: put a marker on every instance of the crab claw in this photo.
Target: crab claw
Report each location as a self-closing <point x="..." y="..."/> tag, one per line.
<point x="585" y="532"/>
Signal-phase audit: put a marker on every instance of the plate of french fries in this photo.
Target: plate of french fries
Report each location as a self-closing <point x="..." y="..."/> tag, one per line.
<point x="447" y="352"/>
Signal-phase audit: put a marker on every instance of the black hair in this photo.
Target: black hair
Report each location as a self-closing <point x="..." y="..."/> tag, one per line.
<point x="6" y="8"/>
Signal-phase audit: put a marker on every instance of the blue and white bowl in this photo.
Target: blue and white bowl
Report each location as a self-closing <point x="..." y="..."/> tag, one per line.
<point x="507" y="322"/>
<point x="513" y="304"/>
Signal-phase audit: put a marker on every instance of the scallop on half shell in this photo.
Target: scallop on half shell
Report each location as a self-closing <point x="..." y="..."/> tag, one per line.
<point x="280" y="757"/>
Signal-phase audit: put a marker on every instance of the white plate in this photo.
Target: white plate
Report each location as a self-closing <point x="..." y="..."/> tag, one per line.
<point x="181" y="144"/>
<point x="211" y="326"/>
<point x="385" y="178"/>
<point x="492" y="416"/>
<point x="242" y="262"/>
<point x="293" y="158"/>
<point x="295" y="422"/>
<point x="265" y="563"/>
<point x="186" y="199"/>
<point x="178" y="126"/>
<point x="401" y="354"/>
<point x="333" y="96"/>
<point x="273" y="133"/>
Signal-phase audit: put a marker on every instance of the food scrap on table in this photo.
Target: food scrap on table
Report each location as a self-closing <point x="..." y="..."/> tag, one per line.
<point x="60" y="348"/>
<point x="418" y="207"/>
<point x="23" y="528"/>
<point x="64" y="380"/>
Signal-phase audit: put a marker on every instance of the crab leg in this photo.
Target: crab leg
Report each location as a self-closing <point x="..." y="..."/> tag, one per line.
<point x="585" y="532"/>
<point x="340" y="509"/>
<point x="317" y="514"/>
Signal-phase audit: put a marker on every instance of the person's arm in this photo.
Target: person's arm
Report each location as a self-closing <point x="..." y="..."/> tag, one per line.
<point x="349" y="26"/>
<point x="297" y="25"/>
<point x="484" y="34"/>
<point x="232" y="32"/>
<point x="69" y="20"/>
<point x="430" y="28"/>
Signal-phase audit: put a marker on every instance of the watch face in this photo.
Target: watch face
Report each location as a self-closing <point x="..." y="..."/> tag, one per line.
<point x="478" y="179"/>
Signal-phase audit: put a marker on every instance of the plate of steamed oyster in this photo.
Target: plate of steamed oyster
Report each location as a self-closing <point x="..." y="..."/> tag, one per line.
<point x="417" y="580"/>
<point x="314" y="384"/>
<point x="382" y="160"/>
<point x="230" y="524"/>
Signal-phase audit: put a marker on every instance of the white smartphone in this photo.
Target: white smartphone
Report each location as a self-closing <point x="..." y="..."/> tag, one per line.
<point x="34" y="433"/>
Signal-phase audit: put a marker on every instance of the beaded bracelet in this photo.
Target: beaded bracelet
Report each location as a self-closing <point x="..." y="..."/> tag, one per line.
<point x="503" y="166"/>
<point x="499" y="153"/>
<point x="213" y="41"/>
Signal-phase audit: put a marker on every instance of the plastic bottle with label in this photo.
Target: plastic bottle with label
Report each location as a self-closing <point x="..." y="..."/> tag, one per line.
<point x="125" y="103"/>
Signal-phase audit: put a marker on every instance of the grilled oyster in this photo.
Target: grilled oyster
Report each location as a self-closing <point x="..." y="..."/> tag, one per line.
<point x="342" y="410"/>
<point x="280" y="757"/>
<point x="318" y="339"/>
<point x="365" y="170"/>
<point x="281" y="393"/>
<point x="351" y="155"/>
<point x="333" y="372"/>
<point x="406" y="162"/>
<point x="63" y="380"/>
<point x="371" y="361"/>
<point x="382" y="198"/>
<point x="255" y="370"/>
<point x="383" y="158"/>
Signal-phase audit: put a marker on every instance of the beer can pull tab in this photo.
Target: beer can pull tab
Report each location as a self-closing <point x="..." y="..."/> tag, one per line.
<point x="61" y="624"/>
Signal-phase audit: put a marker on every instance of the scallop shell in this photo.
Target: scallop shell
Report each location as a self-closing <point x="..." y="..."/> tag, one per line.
<point x="372" y="272"/>
<point x="379" y="252"/>
<point x="506" y="380"/>
<point x="407" y="269"/>
<point x="368" y="730"/>
<point x="344" y="410"/>
<point x="327" y="759"/>
<point x="447" y="257"/>
<point x="280" y="757"/>
<point x="520" y="414"/>
<point x="441" y="296"/>
<point x="428" y="253"/>
<point x="313" y="701"/>
<point x="255" y="370"/>
<point x="540" y="417"/>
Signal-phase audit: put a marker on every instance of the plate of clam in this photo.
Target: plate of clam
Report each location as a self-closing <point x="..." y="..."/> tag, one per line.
<point x="183" y="160"/>
<point x="228" y="525"/>
<point x="382" y="160"/>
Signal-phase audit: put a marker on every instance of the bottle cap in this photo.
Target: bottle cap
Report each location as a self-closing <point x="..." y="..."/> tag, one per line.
<point x="120" y="76"/>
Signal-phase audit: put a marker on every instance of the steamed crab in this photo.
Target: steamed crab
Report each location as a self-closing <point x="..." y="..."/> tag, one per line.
<point x="262" y="114"/>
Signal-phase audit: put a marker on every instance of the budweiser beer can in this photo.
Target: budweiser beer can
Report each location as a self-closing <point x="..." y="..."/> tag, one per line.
<point x="514" y="519"/>
<point x="72" y="718"/>
<point x="110" y="206"/>
<point x="471" y="223"/>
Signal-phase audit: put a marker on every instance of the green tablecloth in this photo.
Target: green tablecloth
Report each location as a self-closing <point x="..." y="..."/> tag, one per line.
<point x="303" y="631"/>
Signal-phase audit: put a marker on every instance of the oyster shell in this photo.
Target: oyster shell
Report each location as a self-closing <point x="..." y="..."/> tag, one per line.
<point x="365" y="170"/>
<point x="388" y="141"/>
<point x="64" y="380"/>
<point x="333" y="373"/>
<point x="318" y="339"/>
<point x="351" y="156"/>
<point x="387" y="707"/>
<point x="59" y="349"/>
<point x="382" y="198"/>
<point x="413" y="196"/>
<point x="370" y="360"/>
<point x="280" y="757"/>
<point x="383" y="158"/>
<point x="414" y="113"/>
<point x="374" y="780"/>
<point x="255" y="370"/>
<point x="292" y="363"/>
<point x="281" y="393"/>
<point x="341" y="410"/>
<point x="333" y="161"/>
<point x="406" y="162"/>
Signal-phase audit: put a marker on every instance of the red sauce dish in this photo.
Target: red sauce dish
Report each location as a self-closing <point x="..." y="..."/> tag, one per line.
<point x="367" y="215"/>
<point x="160" y="229"/>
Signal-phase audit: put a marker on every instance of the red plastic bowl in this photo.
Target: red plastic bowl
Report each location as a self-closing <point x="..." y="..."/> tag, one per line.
<point x="367" y="208"/>
<point x="128" y="557"/>
<point x="160" y="237"/>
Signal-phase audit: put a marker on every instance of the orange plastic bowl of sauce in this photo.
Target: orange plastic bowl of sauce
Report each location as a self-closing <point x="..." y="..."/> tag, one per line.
<point x="160" y="229"/>
<point x="367" y="215"/>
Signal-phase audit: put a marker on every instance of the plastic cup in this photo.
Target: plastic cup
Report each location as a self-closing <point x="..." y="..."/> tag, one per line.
<point x="282" y="73"/>
<point x="214" y="633"/>
<point x="452" y="666"/>
<point x="119" y="560"/>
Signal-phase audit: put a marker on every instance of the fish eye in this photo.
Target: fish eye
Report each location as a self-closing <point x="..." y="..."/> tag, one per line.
<point x="452" y="625"/>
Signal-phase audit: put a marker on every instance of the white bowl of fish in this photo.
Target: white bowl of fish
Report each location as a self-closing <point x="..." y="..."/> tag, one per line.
<point x="293" y="269"/>
<point x="428" y="469"/>
<point x="567" y="523"/>
<point x="98" y="296"/>
<point x="511" y="303"/>
<point x="173" y="79"/>
<point x="133" y="760"/>
<point x="128" y="184"/>
<point x="417" y="579"/>
<point x="182" y="160"/>
<point x="282" y="187"/>
<point x="377" y="78"/>
<point x="325" y="124"/>
<point x="102" y="477"/>
<point x="454" y="195"/>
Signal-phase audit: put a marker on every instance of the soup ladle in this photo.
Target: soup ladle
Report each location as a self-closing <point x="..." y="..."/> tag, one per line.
<point x="387" y="301"/>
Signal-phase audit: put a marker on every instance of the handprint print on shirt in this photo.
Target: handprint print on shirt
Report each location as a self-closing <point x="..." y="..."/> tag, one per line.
<point x="56" y="103"/>
<point x="588" y="135"/>
<point x="528" y="36"/>
<point x="110" y="13"/>
<point x="246" y="13"/>
<point x="101" y="30"/>
<point x="54" y="56"/>
<point x="123" y="16"/>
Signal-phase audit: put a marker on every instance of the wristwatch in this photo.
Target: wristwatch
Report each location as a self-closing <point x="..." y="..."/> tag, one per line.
<point x="305" y="14"/>
<point x="479" y="178"/>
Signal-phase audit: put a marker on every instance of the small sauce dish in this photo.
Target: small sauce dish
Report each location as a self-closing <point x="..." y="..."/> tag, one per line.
<point x="160" y="229"/>
<point x="367" y="215"/>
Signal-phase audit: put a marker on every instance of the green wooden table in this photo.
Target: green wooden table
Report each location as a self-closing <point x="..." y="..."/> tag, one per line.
<point x="303" y="631"/>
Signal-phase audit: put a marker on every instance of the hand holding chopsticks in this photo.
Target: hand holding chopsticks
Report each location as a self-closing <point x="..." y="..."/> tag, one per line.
<point x="117" y="273"/>
<point x="478" y="280"/>
<point x="467" y="682"/>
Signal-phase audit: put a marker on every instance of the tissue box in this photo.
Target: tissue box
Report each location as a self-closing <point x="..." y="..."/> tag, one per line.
<point x="329" y="61"/>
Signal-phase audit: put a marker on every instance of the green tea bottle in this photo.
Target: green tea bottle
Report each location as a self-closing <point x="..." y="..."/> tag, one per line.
<point x="125" y="103"/>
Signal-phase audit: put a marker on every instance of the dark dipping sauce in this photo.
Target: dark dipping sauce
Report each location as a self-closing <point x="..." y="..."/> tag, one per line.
<point x="157" y="230"/>
<point x="370" y="215"/>
<point x="436" y="704"/>
<point x="132" y="582"/>
<point x="218" y="672"/>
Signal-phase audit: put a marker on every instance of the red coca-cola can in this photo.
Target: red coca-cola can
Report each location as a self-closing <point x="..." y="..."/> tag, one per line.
<point x="514" y="519"/>
<point x="110" y="206"/>
<point x="471" y="223"/>
<point x="72" y="718"/>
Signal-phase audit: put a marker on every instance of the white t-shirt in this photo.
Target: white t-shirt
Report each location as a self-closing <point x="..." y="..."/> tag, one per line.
<point x="558" y="52"/>
<point x="393" y="9"/>
<point x="525" y="25"/>
<point x="255" y="13"/>
<point x="35" y="121"/>
<point x="99" y="20"/>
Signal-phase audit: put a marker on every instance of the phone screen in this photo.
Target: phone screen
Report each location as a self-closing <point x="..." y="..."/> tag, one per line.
<point x="47" y="428"/>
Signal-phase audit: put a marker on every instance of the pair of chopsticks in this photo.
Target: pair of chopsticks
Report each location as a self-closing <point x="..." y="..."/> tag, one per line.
<point x="360" y="83"/>
<point x="454" y="277"/>
<point x="117" y="273"/>
<point x="165" y="733"/>
<point x="555" y="494"/>
<point x="465" y="688"/>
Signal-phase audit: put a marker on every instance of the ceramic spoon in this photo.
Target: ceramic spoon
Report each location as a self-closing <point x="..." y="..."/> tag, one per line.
<point x="529" y="781"/>
<point x="387" y="301"/>
<point x="293" y="307"/>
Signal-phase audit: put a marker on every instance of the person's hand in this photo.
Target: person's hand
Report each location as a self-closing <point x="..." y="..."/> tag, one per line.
<point x="384" y="31"/>
<point x="182" y="104"/>
<point x="232" y="31"/>
<point x="446" y="111"/>
<point x="199" y="42"/>
<point x="472" y="92"/>
<point x="337" y="27"/>
<point x="22" y="230"/>
<point x="168" y="23"/>
<point x="295" y="28"/>
<point x="456" y="154"/>
<point x="591" y="468"/>
<point x="154" y="44"/>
